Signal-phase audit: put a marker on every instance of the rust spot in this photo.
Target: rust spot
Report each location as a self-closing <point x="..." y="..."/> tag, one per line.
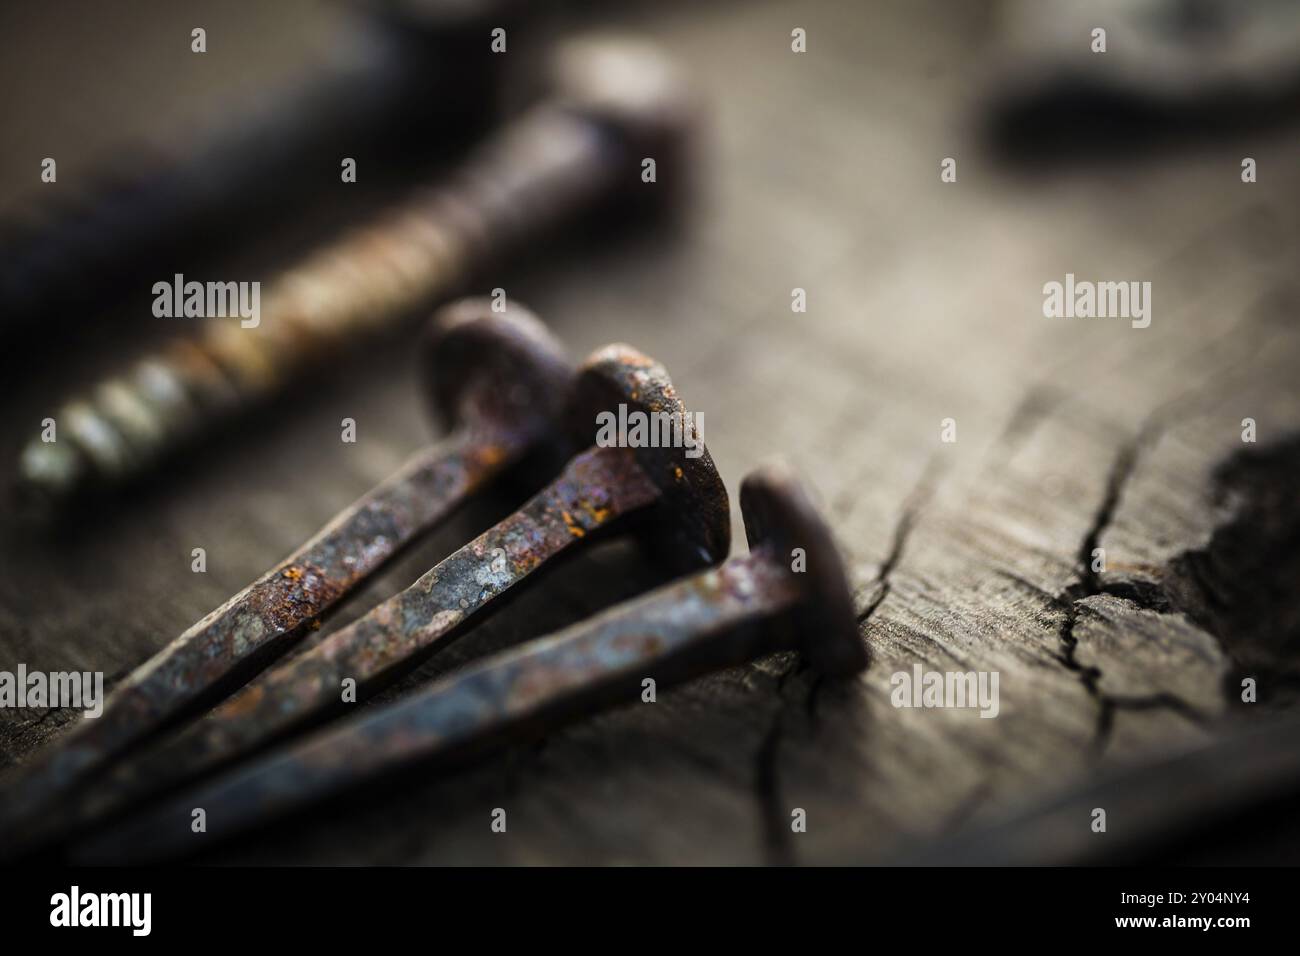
<point x="643" y="645"/>
<point x="525" y="562"/>
<point x="490" y="456"/>
<point x="247" y="702"/>
<point x="301" y="592"/>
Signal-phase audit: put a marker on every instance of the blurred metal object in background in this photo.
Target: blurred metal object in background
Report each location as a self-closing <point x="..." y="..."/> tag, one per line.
<point x="1186" y="67"/>
<point x="616" y="102"/>
<point x="419" y="72"/>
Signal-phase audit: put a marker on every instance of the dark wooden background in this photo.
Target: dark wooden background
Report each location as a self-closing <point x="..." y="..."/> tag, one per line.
<point x="924" y="302"/>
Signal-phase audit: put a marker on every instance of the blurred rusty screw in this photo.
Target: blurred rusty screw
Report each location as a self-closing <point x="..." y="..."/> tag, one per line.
<point x="747" y="607"/>
<point x="616" y="102"/>
<point x="147" y="209"/>
<point x="679" y="501"/>
<point x="500" y="379"/>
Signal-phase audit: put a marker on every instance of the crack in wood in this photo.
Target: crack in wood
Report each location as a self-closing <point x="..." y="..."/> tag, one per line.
<point x="777" y="832"/>
<point x="1232" y="588"/>
<point x="916" y="501"/>
<point x="767" y="782"/>
<point x="1089" y="585"/>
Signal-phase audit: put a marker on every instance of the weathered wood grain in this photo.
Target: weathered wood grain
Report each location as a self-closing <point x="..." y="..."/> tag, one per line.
<point x="924" y="304"/>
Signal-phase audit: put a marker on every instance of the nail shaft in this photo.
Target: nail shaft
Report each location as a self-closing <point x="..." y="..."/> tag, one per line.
<point x="598" y="489"/>
<point x="217" y="653"/>
<point x="501" y="377"/>
<point x="684" y="629"/>
<point x="679" y="631"/>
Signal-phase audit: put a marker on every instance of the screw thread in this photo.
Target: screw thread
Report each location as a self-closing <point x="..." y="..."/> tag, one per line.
<point x="541" y="168"/>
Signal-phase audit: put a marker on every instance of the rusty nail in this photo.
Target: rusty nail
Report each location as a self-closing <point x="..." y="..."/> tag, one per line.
<point x="616" y="102"/>
<point x="746" y="607"/>
<point x="679" y="501"/>
<point x="500" y="380"/>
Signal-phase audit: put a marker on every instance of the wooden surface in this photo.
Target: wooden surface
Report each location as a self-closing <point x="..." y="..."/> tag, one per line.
<point x="924" y="303"/>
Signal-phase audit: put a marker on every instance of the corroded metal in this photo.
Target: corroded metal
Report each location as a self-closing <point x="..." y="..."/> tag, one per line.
<point x="500" y="379"/>
<point x="679" y="503"/>
<point x="616" y="103"/>
<point x="619" y="375"/>
<point x="746" y="607"/>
